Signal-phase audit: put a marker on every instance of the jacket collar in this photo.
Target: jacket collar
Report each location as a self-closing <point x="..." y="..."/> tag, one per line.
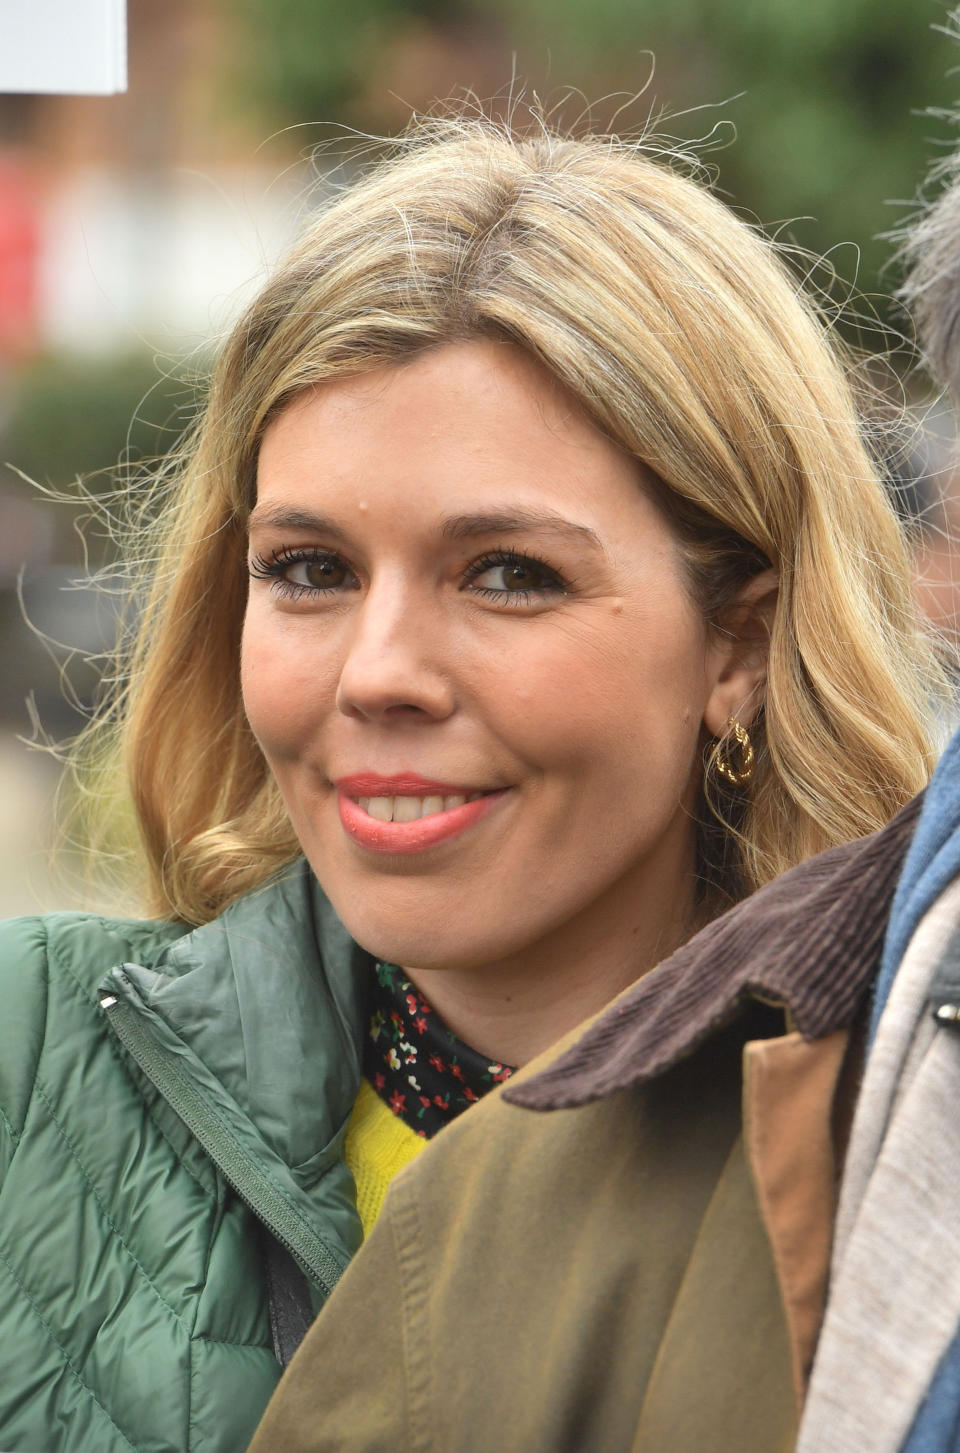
<point x="810" y="941"/>
<point x="250" y="1027"/>
<point x="269" y="999"/>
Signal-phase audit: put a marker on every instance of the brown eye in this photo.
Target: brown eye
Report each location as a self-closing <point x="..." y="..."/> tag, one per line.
<point x="328" y="573"/>
<point x="296" y="576"/>
<point x="519" y="577"/>
<point x="515" y="576"/>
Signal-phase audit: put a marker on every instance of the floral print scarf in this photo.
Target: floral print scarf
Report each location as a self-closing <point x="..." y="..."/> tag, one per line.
<point x="415" y="1063"/>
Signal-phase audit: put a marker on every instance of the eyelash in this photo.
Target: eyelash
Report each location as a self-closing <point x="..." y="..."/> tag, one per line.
<point x="492" y="558"/>
<point x="273" y="567"/>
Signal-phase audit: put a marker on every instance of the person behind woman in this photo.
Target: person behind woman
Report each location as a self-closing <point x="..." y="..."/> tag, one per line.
<point x="524" y="597"/>
<point x="896" y="1221"/>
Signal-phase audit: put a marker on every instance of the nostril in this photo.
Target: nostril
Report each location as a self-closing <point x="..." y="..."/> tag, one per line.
<point x="377" y="693"/>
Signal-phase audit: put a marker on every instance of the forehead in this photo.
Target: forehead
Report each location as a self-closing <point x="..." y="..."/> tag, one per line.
<point x="453" y="429"/>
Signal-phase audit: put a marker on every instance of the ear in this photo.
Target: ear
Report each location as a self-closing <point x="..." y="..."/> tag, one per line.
<point x="738" y="654"/>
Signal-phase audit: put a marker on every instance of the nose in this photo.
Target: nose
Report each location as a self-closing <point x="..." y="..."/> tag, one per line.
<point x="393" y="663"/>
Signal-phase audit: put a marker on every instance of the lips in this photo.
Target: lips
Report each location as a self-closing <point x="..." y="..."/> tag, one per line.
<point x="408" y="813"/>
<point x="401" y="784"/>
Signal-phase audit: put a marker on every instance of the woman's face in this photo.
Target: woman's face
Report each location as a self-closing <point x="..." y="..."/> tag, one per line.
<point x="472" y="661"/>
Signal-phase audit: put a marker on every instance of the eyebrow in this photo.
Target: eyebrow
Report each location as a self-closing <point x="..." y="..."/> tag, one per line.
<point x="466" y="527"/>
<point x="457" y="527"/>
<point x="285" y="517"/>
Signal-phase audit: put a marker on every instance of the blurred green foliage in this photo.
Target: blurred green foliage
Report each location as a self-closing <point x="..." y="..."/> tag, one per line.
<point x="824" y="95"/>
<point x="305" y="62"/>
<point x="70" y="417"/>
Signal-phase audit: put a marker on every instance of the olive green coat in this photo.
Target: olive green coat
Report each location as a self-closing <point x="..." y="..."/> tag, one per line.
<point x="594" y="1280"/>
<point x="624" y="1250"/>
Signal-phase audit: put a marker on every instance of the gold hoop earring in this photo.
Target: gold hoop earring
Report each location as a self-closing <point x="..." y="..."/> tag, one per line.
<point x="737" y="776"/>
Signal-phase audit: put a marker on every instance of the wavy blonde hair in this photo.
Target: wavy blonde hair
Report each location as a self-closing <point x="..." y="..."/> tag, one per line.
<point x="685" y="337"/>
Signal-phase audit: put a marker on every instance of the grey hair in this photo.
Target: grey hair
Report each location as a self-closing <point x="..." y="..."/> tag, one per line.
<point x="931" y="251"/>
<point x="932" y="287"/>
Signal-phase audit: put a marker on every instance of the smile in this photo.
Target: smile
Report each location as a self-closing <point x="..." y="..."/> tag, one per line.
<point x="411" y="809"/>
<point x="404" y="823"/>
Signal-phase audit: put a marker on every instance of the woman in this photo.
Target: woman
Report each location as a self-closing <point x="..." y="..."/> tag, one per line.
<point x="572" y="612"/>
<point x="648" y="1269"/>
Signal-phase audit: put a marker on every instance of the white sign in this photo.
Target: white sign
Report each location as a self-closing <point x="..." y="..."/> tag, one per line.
<point x="64" y="46"/>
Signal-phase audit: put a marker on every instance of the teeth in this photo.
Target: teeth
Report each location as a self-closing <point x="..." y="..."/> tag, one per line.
<point x="407" y="809"/>
<point x="410" y="809"/>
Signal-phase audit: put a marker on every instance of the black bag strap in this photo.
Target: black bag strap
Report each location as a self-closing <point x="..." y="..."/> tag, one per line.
<point x="288" y="1293"/>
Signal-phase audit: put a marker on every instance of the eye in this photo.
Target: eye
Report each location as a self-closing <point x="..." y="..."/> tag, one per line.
<point x="326" y="572"/>
<point x="298" y="573"/>
<point x="504" y="575"/>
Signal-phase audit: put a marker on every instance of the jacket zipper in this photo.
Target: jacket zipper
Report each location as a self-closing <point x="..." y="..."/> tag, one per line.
<point x="238" y="1167"/>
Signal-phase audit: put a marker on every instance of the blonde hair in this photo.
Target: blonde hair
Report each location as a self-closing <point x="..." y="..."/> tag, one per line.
<point x="684" y="336"/>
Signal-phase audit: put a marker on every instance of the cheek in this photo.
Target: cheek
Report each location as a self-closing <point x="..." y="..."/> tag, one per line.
<point x="284" y="686"/>
<point x="619" y="697"/>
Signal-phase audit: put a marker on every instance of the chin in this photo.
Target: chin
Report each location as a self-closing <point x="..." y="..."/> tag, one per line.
<point x="449" y="945"/>
<point x="416" y="949"/>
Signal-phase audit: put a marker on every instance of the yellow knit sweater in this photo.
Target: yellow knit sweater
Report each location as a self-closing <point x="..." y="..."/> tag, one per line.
<point x="378" y="1144"/>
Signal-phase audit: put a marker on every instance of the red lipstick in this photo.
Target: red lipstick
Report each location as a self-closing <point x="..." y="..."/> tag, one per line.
<point x="404" y="784"/>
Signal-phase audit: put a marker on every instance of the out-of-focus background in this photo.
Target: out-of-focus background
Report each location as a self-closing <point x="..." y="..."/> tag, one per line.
<point x="133" y="227"/>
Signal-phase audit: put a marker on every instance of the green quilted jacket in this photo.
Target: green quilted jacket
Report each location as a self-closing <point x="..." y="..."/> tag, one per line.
<point x="161" y="1093"/>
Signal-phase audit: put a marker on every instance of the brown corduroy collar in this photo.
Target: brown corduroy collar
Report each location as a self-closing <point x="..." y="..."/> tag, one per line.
<point x="810" y="941"/>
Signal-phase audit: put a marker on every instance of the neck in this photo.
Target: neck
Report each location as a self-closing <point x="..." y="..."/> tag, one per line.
<point x="518" y="1006"/>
